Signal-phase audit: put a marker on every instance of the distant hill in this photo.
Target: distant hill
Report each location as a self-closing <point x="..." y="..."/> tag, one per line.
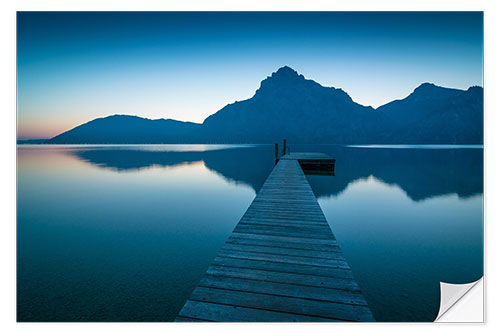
<point x="31" y="141"/>
<point x="287" y="105"/>
<point x="129" y="129"/>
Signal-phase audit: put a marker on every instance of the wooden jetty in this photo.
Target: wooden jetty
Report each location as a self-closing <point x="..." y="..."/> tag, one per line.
<point x="281" y="263"/>
<point x="313" y="163"/>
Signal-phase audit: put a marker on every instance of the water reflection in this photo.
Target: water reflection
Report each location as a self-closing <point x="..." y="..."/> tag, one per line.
<point x="400" y="249"/>
<point x="421" y="173"/>
<point x="119" y="233"/>
<point x="94" y="244"/>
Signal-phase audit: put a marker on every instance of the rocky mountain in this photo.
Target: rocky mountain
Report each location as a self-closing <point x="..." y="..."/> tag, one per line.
<point x="287" y="105"/>
<point x="433" y="114"/>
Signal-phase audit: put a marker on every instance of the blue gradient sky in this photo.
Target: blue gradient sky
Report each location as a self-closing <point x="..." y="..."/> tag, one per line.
<point x="73" y="67"/>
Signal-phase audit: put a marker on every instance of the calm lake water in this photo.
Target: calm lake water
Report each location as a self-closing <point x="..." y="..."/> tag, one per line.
<point x="124" y="233"/>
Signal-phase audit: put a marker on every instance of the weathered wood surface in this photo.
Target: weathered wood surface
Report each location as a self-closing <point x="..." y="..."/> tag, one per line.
<point x="281" y="263"/>
<point x="305" y="156"/>
<point x="313" y="163"/>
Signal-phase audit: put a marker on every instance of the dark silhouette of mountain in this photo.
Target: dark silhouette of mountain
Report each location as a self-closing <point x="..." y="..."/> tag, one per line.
<point x="421" y="173"/>
<point x="31" y="141"/>
<point x="129" y="129"/>
<point x="287" y="105"/>
<point x="433" y="114"/>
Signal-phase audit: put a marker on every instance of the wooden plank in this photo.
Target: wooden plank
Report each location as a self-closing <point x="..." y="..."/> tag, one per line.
<point x="285" y="245"/>
<point x="292" y="224"/>
<point x="281" y="262"/>
<point x="287" y="216"/>
<point x="286" y="213"/>
<point x="274" y="201"/>
<point x="303" y="202"/>
<point x="283" y="251"/>
<point x="284" y="259"/>
<point x="284" y="277"/>
<point x="283" y="289"/>
<point x="181" y="319"/>
<point x="277" y="189"/>
<point x="291" y="305"/>
<point x="279" y="212"/>
<point x="289" y="192"/>
<point x="290" y="207"/>
<point x="292" y="219"/>
<point x="277" y="221"/>
<point x="324" y="233"/>
<point x="333" y="271"/>
<point x="306" y="156"/>
<point x="219" y="312"/>
<point x="309" y="228"/>
<point x="294" y="239"/>
<point x="277" y="232"/>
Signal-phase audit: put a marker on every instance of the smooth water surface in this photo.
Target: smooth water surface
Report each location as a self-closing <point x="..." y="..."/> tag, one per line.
<point x="124" y="233"/>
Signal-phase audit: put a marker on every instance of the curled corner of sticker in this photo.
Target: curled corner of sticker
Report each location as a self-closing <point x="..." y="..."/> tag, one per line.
<point x="456" y="306"/>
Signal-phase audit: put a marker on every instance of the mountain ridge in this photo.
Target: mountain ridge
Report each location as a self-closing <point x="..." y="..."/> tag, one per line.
<point x="288" y="105"/>
<point x="123" y="126"/>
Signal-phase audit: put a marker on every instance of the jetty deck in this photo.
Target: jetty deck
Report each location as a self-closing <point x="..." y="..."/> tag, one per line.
<point x="313" y="163"/>
<point x="281" y="263"/>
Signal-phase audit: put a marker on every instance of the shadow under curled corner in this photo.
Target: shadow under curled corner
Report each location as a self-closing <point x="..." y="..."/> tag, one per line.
<point x="456" y="300"/>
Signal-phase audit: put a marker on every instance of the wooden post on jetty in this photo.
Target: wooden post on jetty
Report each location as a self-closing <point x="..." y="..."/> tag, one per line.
<point x="276" y="157"/>
<point x="284" y="147"/>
